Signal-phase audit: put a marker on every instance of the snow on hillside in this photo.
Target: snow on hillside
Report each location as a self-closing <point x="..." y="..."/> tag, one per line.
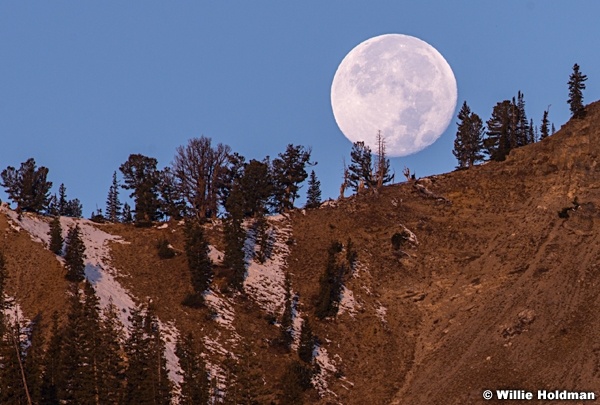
<point x="265" y="282"/>
<point x="348" y="303"/>
<point x="327" y="368"/>
<point x="98" y="271"/>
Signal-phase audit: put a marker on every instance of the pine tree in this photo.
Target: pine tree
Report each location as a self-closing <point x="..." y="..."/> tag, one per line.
<point x="500" y="134"/>
<point x="532" y="138"/>
<point x="112" y="364"/>
<point x="522" y="129"/>
<point x="171" y="202"/>
<point x="56" y="239"/>
<point x="146" y="374"/>
<point x="73" y="209"/>
<point x="330" y="284"/>
<point x="75" y="255"/>
<point x="62" y="199"/>
<point x="52" y="377"/>
<point x="313" y="194"/>
<point x="141" y="175"/>
<point x="235" y="239"/>
<point x="235" y="256"/>
<point x="52" y="209"/>
<point x="195" y="384"/>
<point x="126" y="216"/>
<point x="263" y="239"/>
<point x="468" y="144"/>
<point x="576" y="86"/>
<point x="544" y="128"/>
<point x="359" y="171"/>
<point x="113" y="205"/>
<point x="255" y="187"/>
<point x="247" y="387"/>
<point x="307" y="343"/>
<point x="27" y="186"/>
<point x="289" y="171"/>
<point x="83" y="346"/>
<point x="199" y="264"/>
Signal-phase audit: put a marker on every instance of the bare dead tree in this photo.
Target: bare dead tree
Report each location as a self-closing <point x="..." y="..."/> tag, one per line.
<point x="197" y="167"/>
<point x="344" y="184"/>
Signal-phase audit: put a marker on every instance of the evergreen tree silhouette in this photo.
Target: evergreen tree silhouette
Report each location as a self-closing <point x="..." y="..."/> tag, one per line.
<point x="468" y="144"/>
<point x="313" y="194"/>
<point x="113" y="204"/>
<point x="56" y="239"/>
<point x="576" y="86"/>
<point x="75" y="255"/>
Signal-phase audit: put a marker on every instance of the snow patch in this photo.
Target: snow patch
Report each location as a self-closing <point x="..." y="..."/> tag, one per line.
<point x="222" y="309"/>
<point x="348" y="303"/>
<point x="327" y="368"/>
<point x="381" y="313"/>
<point x="163" y="226"/>
<point x="265" y="282"/>
<point x="215" y="255"/>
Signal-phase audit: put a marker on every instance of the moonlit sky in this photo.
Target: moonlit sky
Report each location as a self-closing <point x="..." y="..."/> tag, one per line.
<point x="85" y="84"/>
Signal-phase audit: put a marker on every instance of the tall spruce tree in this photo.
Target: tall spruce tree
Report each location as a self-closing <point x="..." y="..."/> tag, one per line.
<point x="52" y="377"/>
<point x="313" y="194"/>
<point x="199" y="264"/>
<point x="195" y="385"/>
<point x="83" y="348"/>
<point x="289" y="171"/>
<point x="62" y="199"/>
<point x="27" y="186"/>
<point x="359" y="171"/>
<point x="544" y="130"/>
<point x="522" y="129"/>
<point x="146" y="376"/>
<point x="141" y="175"/>
<point x="113" y="204"/>
<point x="576" y="86"/>
<point x="75" y="255"/>
<point x="111" y="359"/>
<point x="255" y="187"/>
<point x="500" y="133"/>
<point x="468" y="145"/>
<point x="56" y="239"/>
<point x="235" y="238"/>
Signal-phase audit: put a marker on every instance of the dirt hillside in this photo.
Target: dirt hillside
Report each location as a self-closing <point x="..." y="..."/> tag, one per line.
<point x="495" y="290"/>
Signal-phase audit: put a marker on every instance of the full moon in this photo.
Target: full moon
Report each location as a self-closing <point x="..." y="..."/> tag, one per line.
<point x="396" y="84"/>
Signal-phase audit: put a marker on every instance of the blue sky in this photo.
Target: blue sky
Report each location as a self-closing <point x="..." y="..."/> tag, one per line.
<point x="85" y="84"/>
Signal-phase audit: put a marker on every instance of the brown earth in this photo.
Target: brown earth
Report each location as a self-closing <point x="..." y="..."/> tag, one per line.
<point x="500" y="291"/>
